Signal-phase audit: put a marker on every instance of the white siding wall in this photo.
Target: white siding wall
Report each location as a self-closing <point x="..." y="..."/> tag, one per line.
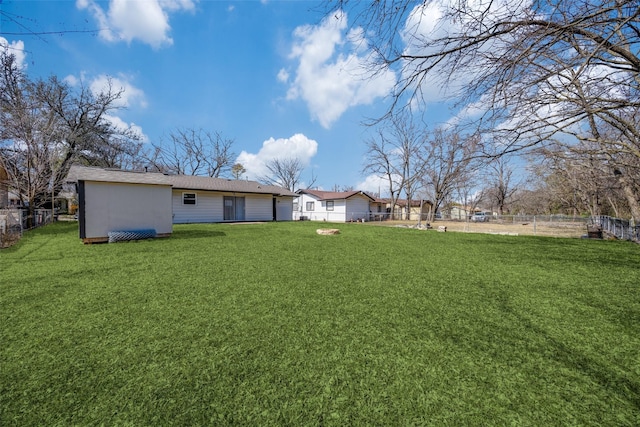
<point x="284" y="208"/>
<point x="338" y="212"/>
<point x="119" y="207"/>
<point x="258" y="207"/>
<point x="320" y="212"/>
<point x="208" y="208"/>
<point x="357" y="208"/>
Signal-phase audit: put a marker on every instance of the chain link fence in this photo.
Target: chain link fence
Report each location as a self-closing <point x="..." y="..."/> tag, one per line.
<point x="532" y="225"/>
<point x="619" y="228"/>
<point x="13" y="222"/>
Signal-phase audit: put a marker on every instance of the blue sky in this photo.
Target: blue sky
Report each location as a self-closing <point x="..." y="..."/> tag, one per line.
<point x="271" y="75"/>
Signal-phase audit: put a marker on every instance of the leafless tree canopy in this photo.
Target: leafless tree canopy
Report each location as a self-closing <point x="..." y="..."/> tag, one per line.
<point x="285" y="172"/>
<point x="502" y="183"/>
<point x="396" y="154"/>
<point x="449" y="161"/>
<point x="193" y="152"/>
<point x="46" y="125"/>
<point x="417" y="163"/>
<point x="521" y="72"/>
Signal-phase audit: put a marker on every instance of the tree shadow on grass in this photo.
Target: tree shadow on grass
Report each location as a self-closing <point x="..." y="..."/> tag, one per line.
<point x="61" y="227"/>
<point x="616" y="381"/>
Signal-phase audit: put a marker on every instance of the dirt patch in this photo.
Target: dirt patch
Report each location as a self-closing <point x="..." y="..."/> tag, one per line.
<point x="553" y="229"/>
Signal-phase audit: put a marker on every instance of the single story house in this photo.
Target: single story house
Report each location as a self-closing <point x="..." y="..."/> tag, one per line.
<point x="405" y="210"/>
<point x="466" y="212"/>
<point x="332" y="206"/>
<point x="114" y="200"/>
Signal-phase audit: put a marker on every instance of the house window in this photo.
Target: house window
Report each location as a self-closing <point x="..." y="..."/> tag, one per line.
<point x="329" y="205"/>
<point x="310" y="206"/>
<point x="295" y="206"/>
<point x="189" y="198"/>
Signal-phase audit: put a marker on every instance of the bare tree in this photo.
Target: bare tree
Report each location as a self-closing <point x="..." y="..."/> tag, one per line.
<point x="502" y="186"/>
<point x="380" y="161"/>
<point x="582" y="180"/>
<point x="342" y="188"/>
<point x="46" y="125"/>
<point x="527" y="72"/>
<point x="285" y="172"/>
<point x="396" y="155"/>
<point x="193" y="152"/>
<point x="468" y="192"/>
<point x="448" y="159"/>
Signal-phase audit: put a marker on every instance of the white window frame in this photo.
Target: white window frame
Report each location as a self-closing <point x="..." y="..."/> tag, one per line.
<point x="330" y="205"/>
<point x="310" y="206"/>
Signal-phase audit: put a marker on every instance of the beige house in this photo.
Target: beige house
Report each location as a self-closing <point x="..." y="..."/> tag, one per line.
<point x="463" y="212"/>
<point x="417" y="209"/>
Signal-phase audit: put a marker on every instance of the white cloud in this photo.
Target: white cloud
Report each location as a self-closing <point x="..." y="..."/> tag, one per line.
<point x="131" y="95"/>
<point x="283" y="76"/>
<point x="120" y="124"/>
<point x="128" y="20"/>
<point x="178" y="4"/>
<point x="374" y="184"/>
<point x="16" y="49"/>
<point x="331" y="81"/>
<point x="71" y="80"/>
<point x="297" y="146"/>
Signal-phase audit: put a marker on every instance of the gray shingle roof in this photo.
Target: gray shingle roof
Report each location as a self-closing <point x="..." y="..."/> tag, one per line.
<point x="83" y="173"/>
<point x="334" y="195"/>
<point x="184" y="182"/>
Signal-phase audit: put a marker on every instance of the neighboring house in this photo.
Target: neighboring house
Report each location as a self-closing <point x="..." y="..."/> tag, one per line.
<point x="66" y="201"/>
<point x="419" y="209"/>
<point x="114" y="200"/>
<point x="378" y="209"/>
<point x="461" y="212"/>
<point x="14" y="199"/>
<point x="332" y="206"/>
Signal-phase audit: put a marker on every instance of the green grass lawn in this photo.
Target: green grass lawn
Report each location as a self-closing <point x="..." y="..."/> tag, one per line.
<point x="272" y="324"/>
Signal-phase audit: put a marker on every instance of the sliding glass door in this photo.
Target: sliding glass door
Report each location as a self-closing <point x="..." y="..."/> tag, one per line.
<point x="233" y="208"/>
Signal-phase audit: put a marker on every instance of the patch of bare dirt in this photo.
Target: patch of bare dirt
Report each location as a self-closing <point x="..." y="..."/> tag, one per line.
<point x="553" y="229"/>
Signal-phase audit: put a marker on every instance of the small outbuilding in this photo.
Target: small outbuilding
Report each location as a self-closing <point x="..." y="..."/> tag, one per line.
<point x="114" y="201"/>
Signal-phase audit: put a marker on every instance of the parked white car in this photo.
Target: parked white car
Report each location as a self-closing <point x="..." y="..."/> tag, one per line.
<point x="480" y="217"/>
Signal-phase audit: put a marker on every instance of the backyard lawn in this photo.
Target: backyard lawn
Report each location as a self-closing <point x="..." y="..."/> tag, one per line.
<point x="272" y="324"/>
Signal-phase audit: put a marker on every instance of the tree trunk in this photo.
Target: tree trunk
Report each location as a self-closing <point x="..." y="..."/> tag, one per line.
<point x="632" y="198"/>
